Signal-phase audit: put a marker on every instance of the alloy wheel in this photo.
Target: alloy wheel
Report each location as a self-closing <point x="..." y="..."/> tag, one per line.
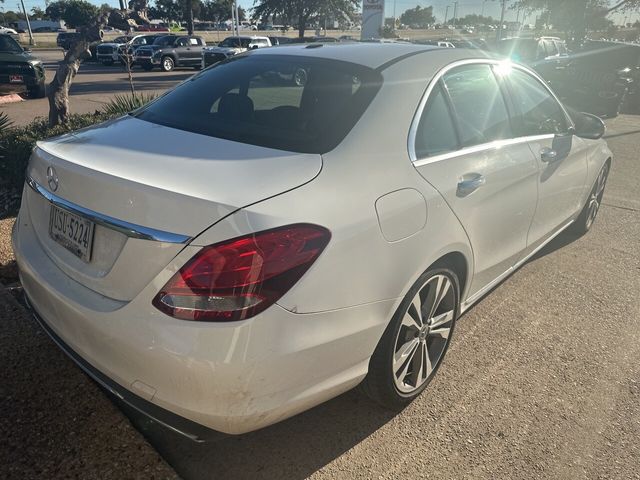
<point x="595" y="198"/>
<point x="167" y="64"/>
<point x="424" y="334"/>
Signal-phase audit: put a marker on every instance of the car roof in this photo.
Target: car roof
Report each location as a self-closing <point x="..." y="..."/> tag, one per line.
<point x="372" y="55"/>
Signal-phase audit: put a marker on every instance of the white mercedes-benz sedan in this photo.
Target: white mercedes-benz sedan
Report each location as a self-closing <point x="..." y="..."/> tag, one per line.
<point x="246" y="247"/>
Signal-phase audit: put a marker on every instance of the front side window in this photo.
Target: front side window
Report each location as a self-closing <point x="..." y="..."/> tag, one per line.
<point x="539" y="113"/>
<point x="436" y="132"/>
<point x="259" y="100"/>
<point x="478" y="104"/>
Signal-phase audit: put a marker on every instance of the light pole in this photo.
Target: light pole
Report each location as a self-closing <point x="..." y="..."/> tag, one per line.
<point x="446" y="14"/>
<point x="455" y="12"/>
<point x="499" y="32"/>
<point x="482" y="11"/>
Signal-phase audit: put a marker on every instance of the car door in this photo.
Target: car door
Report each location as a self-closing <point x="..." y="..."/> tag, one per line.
<point x="180" y="51"/>
<point x="464" y="147"/>
<point x="193" y="51"/>
<point x="561" y="156"/>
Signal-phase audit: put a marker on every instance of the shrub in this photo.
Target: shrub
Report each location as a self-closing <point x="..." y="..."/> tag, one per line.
<point x="16" y="144"/>
<point x="123" y="104"/>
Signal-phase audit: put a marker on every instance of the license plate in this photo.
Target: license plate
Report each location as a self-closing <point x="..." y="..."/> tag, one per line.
<point x="72" y="231"/>
<point x="16" y="79"/>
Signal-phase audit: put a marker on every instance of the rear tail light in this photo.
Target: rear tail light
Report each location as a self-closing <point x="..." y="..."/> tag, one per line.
<point x="240" y="278"/>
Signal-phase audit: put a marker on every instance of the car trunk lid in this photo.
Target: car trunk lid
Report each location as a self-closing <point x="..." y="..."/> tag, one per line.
<point x="152" y="179"/>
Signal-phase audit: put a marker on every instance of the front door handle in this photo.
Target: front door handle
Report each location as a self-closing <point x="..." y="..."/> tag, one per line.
<point x="548" y="155"/>
<point x="469" y="183"/>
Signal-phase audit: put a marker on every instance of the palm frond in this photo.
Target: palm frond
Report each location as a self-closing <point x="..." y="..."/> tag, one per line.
<point x="123" y="104"/>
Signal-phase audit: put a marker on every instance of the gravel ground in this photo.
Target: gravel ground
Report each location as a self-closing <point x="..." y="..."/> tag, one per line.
<point x="55" y="422"/>
<point x="8" y="271"/>
<point x="542" y="381"/>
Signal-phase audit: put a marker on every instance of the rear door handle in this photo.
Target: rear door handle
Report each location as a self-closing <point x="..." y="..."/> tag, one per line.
<point x="469" y="183"/>
<point x="548" y="155"/>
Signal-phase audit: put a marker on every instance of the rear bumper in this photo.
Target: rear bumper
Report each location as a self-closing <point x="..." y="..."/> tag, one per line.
<point x="181" y="425"/>
<point x="228" y="377"/>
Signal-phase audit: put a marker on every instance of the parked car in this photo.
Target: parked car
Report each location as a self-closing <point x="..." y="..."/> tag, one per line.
<point x="437" y="43"/>
<point x="240" y="250"/>
<point x="231" y="46"/>
<point x="65" y="39"/>
<point x="280" y="40"/>
<point x="7" y="30"/>
<point x="152" y="28"/>
<point x="122" y="49"/>
<point x="20" y="71"/>
<point x="596" y="78"/>
<point x="601" y="77"/>
<point x="171" y="51"/>
<point x="548" y="56"/>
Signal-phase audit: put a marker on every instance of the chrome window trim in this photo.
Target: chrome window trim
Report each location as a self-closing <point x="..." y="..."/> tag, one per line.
<point x="413" y="130"/>
<point x="496" y="144"/>
<point x="129" y="229"/>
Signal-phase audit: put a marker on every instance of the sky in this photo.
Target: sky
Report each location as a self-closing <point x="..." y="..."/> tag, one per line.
<point x="491" y="8"/>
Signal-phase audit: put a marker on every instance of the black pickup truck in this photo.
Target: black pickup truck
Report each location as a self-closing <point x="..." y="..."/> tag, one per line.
<point x="171" y="51"/>
<point x="20" y="72"/>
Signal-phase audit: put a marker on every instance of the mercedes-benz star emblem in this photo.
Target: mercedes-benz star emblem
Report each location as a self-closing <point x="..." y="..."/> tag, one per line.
<point x="52" y="179"/>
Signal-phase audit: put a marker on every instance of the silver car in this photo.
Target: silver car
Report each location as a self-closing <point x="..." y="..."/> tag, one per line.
<point x="244" y="248"/>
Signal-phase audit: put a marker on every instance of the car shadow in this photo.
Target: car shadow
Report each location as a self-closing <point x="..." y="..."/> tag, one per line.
<point x="292" y="449"/>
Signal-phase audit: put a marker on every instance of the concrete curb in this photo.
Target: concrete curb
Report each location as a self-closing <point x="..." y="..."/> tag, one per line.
<point x="10" y="98"/>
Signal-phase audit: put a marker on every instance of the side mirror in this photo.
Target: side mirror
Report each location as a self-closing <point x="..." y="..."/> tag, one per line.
<point x="588" y="126"/>
<point x="26" y="50"/>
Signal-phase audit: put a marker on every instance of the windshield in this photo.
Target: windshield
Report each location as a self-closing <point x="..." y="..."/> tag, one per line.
<point x="164" y="41"/>
<point x="8" y="44"/>
<point x="291" y="103"/>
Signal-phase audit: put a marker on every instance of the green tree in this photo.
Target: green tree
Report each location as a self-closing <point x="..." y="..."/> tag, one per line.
<point x="38" y="14"/>
<point x="75" y="13"/>
<point x="577" y="17"/>
<point x="301" y="12"/>
<point x="219" y="10"/>
<point x="419" y="16"/>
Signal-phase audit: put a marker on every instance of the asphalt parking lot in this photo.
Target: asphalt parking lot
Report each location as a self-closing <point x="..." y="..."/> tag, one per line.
<point x="94" y="86"/>
<point x="542" y="379"/>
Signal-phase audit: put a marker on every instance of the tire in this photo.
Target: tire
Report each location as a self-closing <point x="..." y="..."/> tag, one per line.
<point x="107" y="63"/>
<point x="39" y="91"/>
<point x="300" y="77"/>
<point x="167" y="64"/>
<point x="147" y="67"/>
<point x="394" y="378"/>
<point x="587" y="216"/>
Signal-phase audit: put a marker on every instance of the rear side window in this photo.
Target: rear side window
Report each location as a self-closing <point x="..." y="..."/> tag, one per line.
<point x="436" y="132"/>
<point x="291" y="103"/>
<point x="478" y="104"/>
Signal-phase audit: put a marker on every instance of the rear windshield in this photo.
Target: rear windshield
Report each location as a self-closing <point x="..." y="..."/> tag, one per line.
<point x="291" y="103"/>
